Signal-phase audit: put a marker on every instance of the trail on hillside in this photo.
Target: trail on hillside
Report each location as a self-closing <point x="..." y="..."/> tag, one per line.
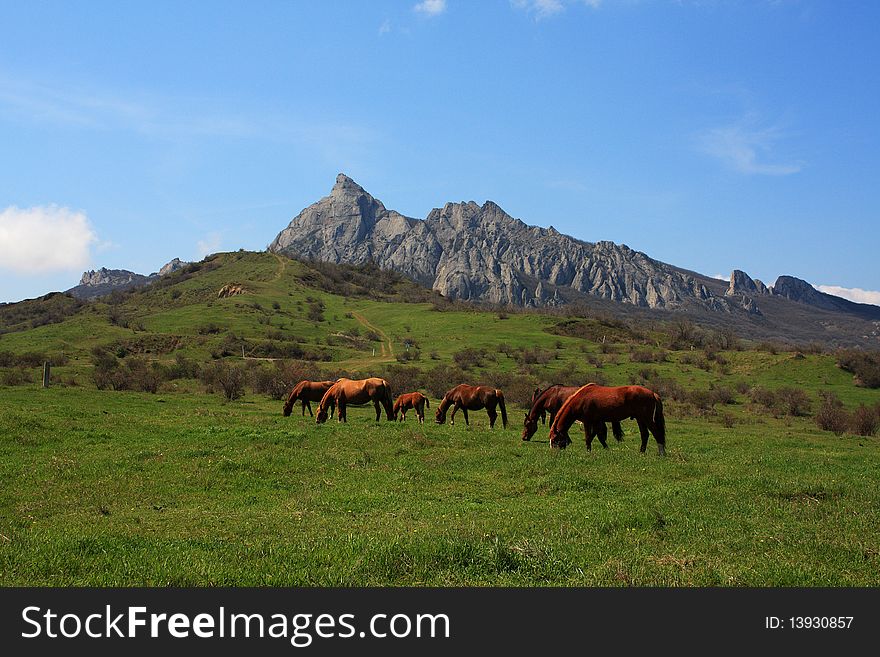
<point x="387" y="349"/>
<point x="282" y="261"/>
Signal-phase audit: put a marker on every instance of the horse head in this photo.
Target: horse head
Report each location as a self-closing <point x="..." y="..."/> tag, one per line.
<point x="558" y="439"/>
<point x="530" y="426"/>
<point x="321" y="417"/>
<point x="440" y="415"/>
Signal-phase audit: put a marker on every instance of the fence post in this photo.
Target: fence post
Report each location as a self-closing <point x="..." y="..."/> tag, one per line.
<point x="46" y="368"/>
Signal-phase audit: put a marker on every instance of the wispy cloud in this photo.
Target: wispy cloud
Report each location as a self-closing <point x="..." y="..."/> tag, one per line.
<point x="545" y="8"/>
<point x="431" y="7"/>
<point x="745" y="147"/>
<point x="856" y="294"/>
<point x="154" y="116"/>
<point x="721" y="277"/>
<point x="208" y="245"/>
<point x="45" y="239"/>
<point x="385" y="27"/>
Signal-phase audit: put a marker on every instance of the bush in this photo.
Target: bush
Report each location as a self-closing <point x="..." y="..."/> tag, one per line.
<point x="793" y="401"/>
<point x="228" y="378"/>
<point x="864" y="366"/>
<point x="443" y="377"/>
<point x="865" y="421"/>
<point x="16" y="376"/>
<point x="831" y="415"/>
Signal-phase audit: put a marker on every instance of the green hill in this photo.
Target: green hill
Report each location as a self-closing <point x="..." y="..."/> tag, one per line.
<point x="156" y="478"/>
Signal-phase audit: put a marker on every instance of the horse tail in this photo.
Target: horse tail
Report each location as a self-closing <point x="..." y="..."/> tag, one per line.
<point x="388" y="402"/>
<point x="291" y="400"/>
<point x="427" y="403"/>
<point x="503" y="408"/>
<point x="659" y="420"/>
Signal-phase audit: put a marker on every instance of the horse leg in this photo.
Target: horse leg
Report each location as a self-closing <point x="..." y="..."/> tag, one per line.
<point x="454" y="411"/>
<point x="340" y="412"/>
<point x="309" y="408"/>
<point x="643" y="430"/>
<point x="661" y="445"/>
<point x="544" y="417"/>
<point x="378" y="409"/>
<point x="493" y="415"/>
<point x="588" y="437"/>
<point x="602" y="432"/>
<point x="466" y="420"/>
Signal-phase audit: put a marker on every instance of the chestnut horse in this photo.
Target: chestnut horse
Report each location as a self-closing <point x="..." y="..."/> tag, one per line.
<point x="550" y="401"/>
<point x="593" y="403"/>
<point x="363" y="391"/>
<point x="305" y="392"/>
<point x="410" y="400"/>
<point x="472" y="398"/>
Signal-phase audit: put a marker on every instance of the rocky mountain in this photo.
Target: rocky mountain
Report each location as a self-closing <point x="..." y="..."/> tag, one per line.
<point x="799" y="290"/>
<point x="97" y="283"/>
<point x="479" y="252"/>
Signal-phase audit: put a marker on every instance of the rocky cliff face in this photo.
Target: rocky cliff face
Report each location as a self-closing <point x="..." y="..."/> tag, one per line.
<point x="97" y="283"/>
<point x="479" y="252"/>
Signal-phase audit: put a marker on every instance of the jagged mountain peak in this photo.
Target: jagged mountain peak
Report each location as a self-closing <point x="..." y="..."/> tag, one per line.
<point x="471" y="251"/>
<point x="346" y="186"/>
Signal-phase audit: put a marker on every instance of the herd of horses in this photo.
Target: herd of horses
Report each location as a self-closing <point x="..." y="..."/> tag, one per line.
<point x="592" y="405"/>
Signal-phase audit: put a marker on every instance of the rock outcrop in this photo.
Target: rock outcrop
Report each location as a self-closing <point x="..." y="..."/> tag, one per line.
<point x="479" y="252"/>
<point x="172" y="266"/>
<point x="97" y="283"/>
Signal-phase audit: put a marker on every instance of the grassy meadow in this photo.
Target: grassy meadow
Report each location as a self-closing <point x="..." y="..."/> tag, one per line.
<point x="183" y="487"/>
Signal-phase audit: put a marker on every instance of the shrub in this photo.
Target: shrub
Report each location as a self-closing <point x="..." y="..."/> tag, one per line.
<point x="831" y="415"/>
<point x="16" y="376"/>
<point x="763" y="397"/>
<point x="865" y="421"/>
<point x="228" y="378"/>
<point x="793" y="401"/>
<point x="864" y="366"/>
<point x="441" y="378"/>
<point x="647" y="356"/>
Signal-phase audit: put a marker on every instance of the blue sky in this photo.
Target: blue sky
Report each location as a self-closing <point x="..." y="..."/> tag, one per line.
<point x="709" y="134"/>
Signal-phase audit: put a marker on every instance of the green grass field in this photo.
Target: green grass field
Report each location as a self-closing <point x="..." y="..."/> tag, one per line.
<point x="183" y="488"/>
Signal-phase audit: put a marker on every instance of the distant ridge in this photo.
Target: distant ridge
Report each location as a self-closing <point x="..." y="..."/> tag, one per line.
<point x="479" y="252"/>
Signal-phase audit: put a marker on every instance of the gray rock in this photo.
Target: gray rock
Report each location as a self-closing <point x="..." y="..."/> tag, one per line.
<point x="479" y="252"/>
<point x="741" y="283"/>
<point x="172" y="266"/>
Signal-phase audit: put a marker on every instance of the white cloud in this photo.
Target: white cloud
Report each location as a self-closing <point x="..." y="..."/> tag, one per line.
<point x="545" y="8"/>
<point x="210" y="244"/>
<point x="721" y="277"/>
<point x="431" y="7"/>
<point x="743" y="147"/>
<point x="856" y="294"/>
<point x="385" y="27"/>
<point x="45" y="239"/>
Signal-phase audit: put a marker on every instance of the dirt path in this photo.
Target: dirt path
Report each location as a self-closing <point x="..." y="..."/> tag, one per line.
<point x="387" y="352"/>
<point x="283" y="262"/>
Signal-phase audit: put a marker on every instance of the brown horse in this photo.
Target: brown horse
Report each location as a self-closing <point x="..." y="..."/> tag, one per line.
<point x="592" y="403"/>
<point x="410" y="400"/>
<point x="363" y="391"/>
<point x="305" y="392"/>
<point x="550" y="401"/>
<point x="472" y="398"/>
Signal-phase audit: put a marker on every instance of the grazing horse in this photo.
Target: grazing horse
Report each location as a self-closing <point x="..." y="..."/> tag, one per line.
<point x="592" y="403"/>
<point x="472" y="398"/>
<point x="305" y="392"/>
<point x="550" y="401"/>
<point x="410" y="400"/>
<point x="363" y="391"/>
